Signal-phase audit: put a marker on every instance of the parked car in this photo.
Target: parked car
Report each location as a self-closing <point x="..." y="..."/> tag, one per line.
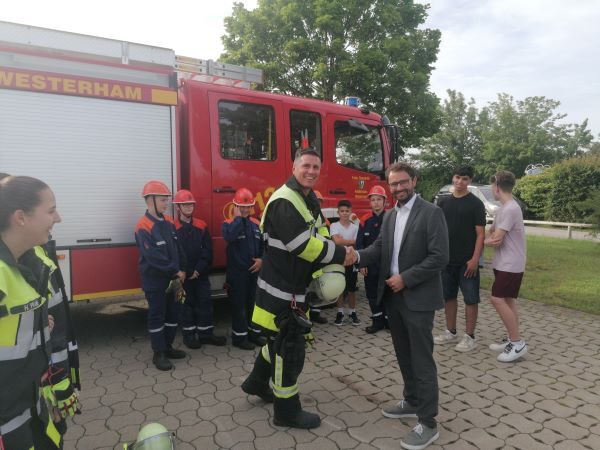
<point x="482" y="192"/>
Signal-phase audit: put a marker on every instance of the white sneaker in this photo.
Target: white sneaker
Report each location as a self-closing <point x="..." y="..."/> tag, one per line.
<point x="512" y="353"/>
<point x="466" y="344"/>
<point x="445" y="337"/>
<point x="499" y="346"/>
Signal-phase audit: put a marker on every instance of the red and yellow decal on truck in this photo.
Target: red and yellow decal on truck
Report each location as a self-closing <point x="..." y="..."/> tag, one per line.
<point x="85" y="87"/>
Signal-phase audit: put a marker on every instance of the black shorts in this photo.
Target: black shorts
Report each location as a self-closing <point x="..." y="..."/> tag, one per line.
<point x="506" y="284"/>
<point x="351" y="279"/>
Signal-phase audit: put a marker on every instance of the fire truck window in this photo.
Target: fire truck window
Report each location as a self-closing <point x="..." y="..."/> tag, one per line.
<point x="247" y="131"/>
<point x="305" y="131"/>
<point x="357" y="148"/>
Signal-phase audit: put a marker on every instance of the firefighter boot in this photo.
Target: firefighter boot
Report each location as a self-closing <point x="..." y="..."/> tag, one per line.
<point x="289" y="413"/>
<point x="257" y="382"/>
<point x="190" y="340"/>
<point x="161" y="361"/>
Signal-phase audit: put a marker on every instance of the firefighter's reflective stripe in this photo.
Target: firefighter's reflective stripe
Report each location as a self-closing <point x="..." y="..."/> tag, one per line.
<point x="205" y="328"/>
<point x="170" y="324"/>
<point x="265" y="353"/>
<point x="275" y="292"/>
<point x="15" y="422"/>
<point x="26" y="340"/>
<point x="314" y="246"/>
<point x="264" y="318"/>
<point x="156" y="330"/>
<point x="58" y="357"/>
<point x="245" y="333"/>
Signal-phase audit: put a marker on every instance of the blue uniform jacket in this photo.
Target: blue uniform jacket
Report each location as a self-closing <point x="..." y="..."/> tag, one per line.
<point x="160" y="254"/>
<point x="244" y="242"/>
<point x="195" y="240"/>
<point x="370" y="225"/>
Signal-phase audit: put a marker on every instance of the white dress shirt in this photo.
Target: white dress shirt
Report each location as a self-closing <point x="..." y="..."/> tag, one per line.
<point x="402" y="214"/>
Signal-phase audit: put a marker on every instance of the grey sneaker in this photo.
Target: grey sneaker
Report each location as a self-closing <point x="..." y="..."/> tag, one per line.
<point x="466" y="344"/>
<point x="399" y="410"/>
<point x="419" y="437"/>
<point x="445" y="337"/>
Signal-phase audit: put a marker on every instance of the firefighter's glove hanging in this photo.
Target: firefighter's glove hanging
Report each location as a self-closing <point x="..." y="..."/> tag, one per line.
<point x="176" y="288"/>
<point x="290" y="342"/>
<point x="67" y="399"/>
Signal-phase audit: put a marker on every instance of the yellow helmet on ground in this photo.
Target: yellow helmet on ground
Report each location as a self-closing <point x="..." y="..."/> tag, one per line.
<point x="153" y="436"/>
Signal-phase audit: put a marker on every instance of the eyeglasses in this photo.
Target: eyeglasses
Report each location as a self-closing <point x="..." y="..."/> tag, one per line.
<point x="405" y="182"/>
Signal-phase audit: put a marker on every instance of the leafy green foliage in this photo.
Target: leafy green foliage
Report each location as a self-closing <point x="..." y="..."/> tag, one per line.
<point x="567" y="192"/>
<point x="506" y="134"/>
<point x="329" y="49"/>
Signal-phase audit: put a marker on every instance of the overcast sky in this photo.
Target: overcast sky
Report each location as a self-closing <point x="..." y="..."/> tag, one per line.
<point x="522" y="47"/>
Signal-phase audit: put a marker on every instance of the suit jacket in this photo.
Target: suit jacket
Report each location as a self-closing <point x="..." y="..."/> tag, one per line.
<point x="423" y="255"/>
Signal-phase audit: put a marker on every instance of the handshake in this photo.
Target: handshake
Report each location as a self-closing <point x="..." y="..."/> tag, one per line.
<point x="351" y="256"/>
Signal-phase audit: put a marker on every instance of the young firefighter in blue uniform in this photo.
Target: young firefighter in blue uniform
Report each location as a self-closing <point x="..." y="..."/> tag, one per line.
<point x="370" y="224"/>
<point x="197" y="318"/>
<point x="161" y="262"/>
<point x="244" y="260"/>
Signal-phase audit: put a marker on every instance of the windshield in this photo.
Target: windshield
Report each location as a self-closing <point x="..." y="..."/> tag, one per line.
<point x="358" y="148"/>
<point x="487" y="193"/>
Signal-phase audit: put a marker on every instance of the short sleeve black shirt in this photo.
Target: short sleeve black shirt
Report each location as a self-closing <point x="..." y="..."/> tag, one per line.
<point x="462" y="216"/>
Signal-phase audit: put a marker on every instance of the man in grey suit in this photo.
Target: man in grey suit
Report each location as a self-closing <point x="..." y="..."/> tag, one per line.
<point x="413" y="250"/>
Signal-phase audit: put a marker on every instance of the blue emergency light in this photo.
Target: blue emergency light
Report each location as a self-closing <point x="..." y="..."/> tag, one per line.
<point x="352" y="101"/>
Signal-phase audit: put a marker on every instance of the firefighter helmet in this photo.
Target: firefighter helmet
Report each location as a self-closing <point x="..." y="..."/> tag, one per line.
<point x="154" y="187"/>
<point x="377" y="190"/>
<point x="243" y="197"/>
<point x="319" y="195"/>
<point x="184" y="196"/>
<point x="154" y="436"/>
<point x="329" y="282"/>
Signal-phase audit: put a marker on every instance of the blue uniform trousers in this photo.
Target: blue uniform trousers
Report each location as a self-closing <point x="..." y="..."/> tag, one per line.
<point x="377" y="311"/>
<point x="242" y="292"/>
<point x="163" y="317"/>
<point x="197" y="316"/>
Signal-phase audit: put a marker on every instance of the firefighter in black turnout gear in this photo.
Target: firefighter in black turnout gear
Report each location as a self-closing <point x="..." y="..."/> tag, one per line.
<point x="296" y="247"/>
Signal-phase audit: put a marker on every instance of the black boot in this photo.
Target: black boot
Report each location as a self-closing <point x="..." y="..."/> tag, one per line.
<point x="376" y="326"/>
<point x="244" y="344"/>
<point x="211" y="339"/>
<point x="161" y="361"/>
<point x="190" y="340"/>
<point x="175" y="353"/>
<point x="257" y="382"/>
<point x="316" y="317"/>
<point x="289" y="413"/>
<point x="257" y="339"/>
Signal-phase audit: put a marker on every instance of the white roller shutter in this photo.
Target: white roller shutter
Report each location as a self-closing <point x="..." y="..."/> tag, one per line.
<point x="95" y="154"/>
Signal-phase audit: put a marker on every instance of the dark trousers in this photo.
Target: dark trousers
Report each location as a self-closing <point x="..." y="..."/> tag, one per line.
<point x="413" y="343"/>
<point x="242" y="293"/>
<point x="163" y="318"/>
<point x="377" y="310"/>
<point x="197" y="315"/>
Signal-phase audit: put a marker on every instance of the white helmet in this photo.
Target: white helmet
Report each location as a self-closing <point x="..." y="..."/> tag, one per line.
<point x="329" y="282"/>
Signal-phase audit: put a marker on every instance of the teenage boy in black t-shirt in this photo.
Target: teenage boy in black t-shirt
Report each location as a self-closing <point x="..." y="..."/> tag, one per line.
<point x="465" y="217"/>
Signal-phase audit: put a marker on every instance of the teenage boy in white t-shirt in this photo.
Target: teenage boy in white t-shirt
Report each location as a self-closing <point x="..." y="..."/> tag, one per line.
<point x="344" y="232"/>
<point x="508" y="238"/>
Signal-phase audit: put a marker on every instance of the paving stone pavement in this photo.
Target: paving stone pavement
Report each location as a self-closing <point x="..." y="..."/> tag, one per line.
<point x="550" y="399"/>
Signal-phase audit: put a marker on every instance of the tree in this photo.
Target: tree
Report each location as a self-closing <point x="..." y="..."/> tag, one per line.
<point x="329" y="49"/>
<point x="527" y="132"/>
<point x="459" y="139"/>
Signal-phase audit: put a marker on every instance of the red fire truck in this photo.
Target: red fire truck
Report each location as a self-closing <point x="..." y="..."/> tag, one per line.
<point x="96" y="118"/>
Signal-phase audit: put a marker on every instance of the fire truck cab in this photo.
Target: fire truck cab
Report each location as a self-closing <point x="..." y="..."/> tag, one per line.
<point x="96" y="118"/>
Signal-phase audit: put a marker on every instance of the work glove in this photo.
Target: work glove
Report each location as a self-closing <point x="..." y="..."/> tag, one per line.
<point x="176" y="288"/>
<point x="66" y="397"/>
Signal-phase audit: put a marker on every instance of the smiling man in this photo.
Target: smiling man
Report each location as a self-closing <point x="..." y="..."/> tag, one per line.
<point x="297" y="244"/>
<point x="412" y="249"/>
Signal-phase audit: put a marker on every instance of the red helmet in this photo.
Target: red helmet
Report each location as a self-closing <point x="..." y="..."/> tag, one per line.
<point x="319" y="195"/>
<point x="184" y="196"/>
<point x="154" y="187"/>
<point x="243" y="197"/>
<point x="377" y="190"/>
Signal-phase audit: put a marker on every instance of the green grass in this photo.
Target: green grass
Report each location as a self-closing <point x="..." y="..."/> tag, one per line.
<point x="564" y="272"/>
